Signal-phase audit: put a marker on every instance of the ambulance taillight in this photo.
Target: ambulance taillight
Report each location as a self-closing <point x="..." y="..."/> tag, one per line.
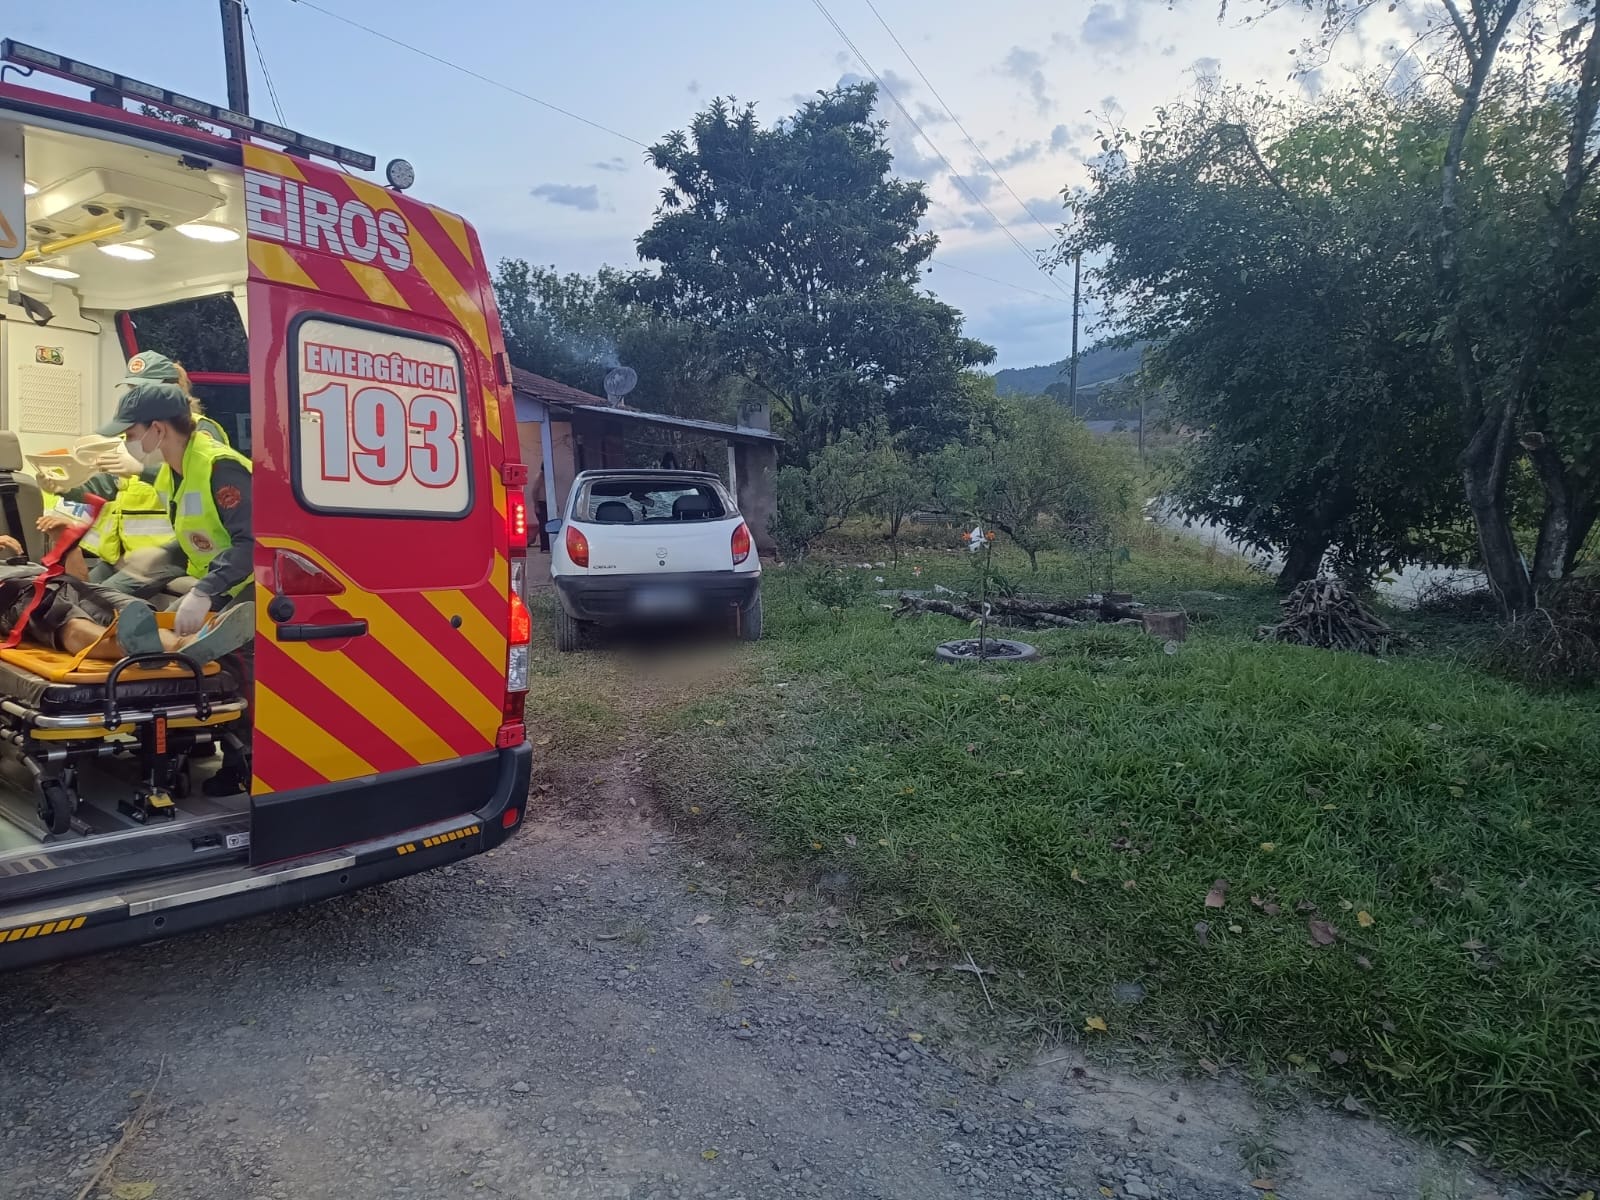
<point x="519" y="621"/>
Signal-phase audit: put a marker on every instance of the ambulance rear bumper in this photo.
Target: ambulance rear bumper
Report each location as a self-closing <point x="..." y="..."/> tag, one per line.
<point x="93" y="920"/>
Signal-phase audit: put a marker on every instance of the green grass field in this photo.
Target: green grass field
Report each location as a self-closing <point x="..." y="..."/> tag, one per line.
<point x="1064" y="822"/>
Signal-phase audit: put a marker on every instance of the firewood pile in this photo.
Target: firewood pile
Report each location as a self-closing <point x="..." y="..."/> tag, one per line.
<point x="1017" y="613"/>
<point x="1326" y="613"/>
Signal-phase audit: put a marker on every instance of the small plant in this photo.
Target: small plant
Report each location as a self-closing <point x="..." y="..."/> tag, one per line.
<point x="836" y="589"/>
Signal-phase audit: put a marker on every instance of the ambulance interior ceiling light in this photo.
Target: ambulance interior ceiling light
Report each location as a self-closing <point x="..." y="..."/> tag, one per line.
<point x="30" y="188"/>
<point x="46" y="271"/>
<point x="97" y="77"/>
<point x="208" y="231"/>
<point x="128" y="251"/>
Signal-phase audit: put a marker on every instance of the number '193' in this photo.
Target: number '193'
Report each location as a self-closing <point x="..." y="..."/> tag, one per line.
<point x="368" y="434"/>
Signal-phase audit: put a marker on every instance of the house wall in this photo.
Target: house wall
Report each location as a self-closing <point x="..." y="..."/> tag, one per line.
<point x="755" y="468"/>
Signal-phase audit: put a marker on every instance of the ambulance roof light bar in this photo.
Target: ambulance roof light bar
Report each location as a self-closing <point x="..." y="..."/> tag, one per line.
<point x="95" y="77"/>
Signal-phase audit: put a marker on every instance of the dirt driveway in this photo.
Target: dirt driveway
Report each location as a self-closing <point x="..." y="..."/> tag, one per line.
<point x="595" y="1011"/>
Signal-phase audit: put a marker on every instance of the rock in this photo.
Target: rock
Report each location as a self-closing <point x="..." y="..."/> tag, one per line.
<point x="522" y="1087"/>
<point x="477" y="960"/>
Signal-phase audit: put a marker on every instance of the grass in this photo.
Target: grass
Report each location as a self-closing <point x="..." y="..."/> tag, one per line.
<point x="1064" y="822"/>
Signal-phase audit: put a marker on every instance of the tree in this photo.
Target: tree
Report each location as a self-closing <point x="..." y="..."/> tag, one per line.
<point x="1268" y="256"/>
<point x="1033" y="473"/>
<point x="574" y="328"/>
<point x="800" y="255"/>
<point x="1505" y="324"/>
<point x="843" y="480"/>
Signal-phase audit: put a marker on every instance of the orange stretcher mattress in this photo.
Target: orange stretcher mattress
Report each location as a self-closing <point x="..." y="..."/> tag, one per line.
<point x="57" y="666"/>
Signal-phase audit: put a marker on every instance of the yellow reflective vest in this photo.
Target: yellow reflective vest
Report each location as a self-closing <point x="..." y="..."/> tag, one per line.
<point x="196" y="520"/>
<point x="134" y="519"/>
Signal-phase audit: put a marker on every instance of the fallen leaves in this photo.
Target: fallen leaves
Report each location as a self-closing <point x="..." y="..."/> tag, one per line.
<point x="1095" y="1025"/>
<point x="1263" y="1184"/>
<point x="1268" y="847"/>
<point x="702" y="919"/>
<point x="1364" y="919"/>
<point x="1351" y="1105"/>
<point x="1322" y="933"/>
<point x="1267" y="906"/>
<point x="1218" y="895"/>
<point x="1202" y="931"/>
<point x="710" y="1155"/>
<point x="850" y="840"/>
<point x="1338" y="1057"/>
<point x="915" y="1037"/>
<point x="134" y="1191"/>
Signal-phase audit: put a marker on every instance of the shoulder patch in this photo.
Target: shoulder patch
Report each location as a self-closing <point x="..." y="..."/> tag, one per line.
<point x="229" y="497"/>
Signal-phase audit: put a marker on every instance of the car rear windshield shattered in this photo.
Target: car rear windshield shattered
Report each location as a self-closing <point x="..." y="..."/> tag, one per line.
<point x="642" y="502"/>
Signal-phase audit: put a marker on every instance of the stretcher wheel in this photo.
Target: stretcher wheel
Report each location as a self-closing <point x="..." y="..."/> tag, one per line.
<point x="57" y="803"/>
<point x="180" y="786"/>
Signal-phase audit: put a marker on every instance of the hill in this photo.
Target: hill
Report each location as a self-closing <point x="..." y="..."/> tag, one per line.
<point x="1097" y="365"/>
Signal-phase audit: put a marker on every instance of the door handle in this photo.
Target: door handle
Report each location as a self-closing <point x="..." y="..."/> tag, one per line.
<point x="321" y="633"/>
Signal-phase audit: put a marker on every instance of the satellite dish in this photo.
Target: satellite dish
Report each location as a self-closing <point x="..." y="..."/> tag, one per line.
<point x="619" y="382"/>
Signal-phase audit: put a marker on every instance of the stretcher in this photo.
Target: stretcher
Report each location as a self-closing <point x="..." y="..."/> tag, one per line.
<point x="59" y="710"/>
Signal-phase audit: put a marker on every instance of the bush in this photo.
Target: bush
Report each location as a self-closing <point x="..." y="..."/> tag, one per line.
<point x="837" y="588"/>
<point x="1558" y="644"/>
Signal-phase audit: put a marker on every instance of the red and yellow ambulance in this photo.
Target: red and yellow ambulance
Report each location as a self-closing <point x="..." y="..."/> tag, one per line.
<point x="344" y="335"/>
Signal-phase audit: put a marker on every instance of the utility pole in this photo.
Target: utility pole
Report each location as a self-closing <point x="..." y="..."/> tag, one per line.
<point x="1077" y="283"/>
<point x="233" y="56"/>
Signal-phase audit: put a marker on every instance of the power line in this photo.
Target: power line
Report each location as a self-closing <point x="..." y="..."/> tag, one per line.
<point x="266" y="75"/>
<point x="971" y="141"/>
<point x="950" y="266"/>
<point x="468" y="71"/>
<point x="949" y="166"/>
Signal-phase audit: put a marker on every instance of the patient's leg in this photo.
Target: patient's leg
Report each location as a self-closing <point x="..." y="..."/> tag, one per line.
<point x="79" y="634"/>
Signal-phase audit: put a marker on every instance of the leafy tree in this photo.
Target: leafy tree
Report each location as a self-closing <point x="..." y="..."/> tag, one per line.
<point x="1268" y="256"/>
<point x="843" y="480"/>
<point x="1033" y="473"/>
<point x="1507" y="321"/>
<point x="800" y="255"/>
<point x="574" y="328"/>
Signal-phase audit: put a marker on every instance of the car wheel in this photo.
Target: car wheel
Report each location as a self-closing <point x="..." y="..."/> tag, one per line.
<point x="750" y="620"/>
<point x="569" y="632"/>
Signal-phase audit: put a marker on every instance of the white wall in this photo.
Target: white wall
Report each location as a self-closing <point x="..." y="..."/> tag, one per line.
<point x="50" y="405"/>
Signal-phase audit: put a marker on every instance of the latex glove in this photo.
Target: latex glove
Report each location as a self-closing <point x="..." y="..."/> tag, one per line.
<point x="52" y="485"/>
<point x="118" y="462"/>
<point x="191" y="614"/>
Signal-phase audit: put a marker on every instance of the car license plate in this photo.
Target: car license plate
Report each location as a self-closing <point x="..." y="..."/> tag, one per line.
<point x="663" y="600"/>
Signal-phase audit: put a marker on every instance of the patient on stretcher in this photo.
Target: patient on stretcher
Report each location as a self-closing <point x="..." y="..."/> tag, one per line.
<point x="79" y="617"/>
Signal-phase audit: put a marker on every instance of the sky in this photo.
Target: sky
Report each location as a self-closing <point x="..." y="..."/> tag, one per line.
<point x="1030" y="83"/>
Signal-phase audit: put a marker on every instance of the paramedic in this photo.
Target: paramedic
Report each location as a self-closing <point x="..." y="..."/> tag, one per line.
<point x="70" y="615"/>
<point x="150" y="367"/>
<point x="206" y="485"/>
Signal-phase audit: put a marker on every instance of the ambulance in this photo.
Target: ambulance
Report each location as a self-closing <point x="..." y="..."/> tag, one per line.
<point x="344" y="336"/>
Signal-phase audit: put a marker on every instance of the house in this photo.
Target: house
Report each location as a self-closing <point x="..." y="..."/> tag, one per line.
<point x="563" y="430"/>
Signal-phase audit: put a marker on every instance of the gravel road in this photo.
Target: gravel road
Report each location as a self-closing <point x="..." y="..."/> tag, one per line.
<point x="594" y="1012"/>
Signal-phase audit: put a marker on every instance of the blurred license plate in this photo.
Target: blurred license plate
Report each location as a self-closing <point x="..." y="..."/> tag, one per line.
<point x="663" y="600"/>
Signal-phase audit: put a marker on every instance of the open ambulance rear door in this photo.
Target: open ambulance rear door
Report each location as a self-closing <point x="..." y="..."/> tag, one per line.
<point x="388" y="512"/>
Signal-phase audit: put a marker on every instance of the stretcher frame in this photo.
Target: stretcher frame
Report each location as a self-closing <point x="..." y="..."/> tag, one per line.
<point x="164" y="737"/>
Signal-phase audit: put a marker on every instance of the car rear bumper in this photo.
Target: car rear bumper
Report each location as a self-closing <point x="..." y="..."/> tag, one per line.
<point x="607" y="598"/>
<point x="93" y="920"/>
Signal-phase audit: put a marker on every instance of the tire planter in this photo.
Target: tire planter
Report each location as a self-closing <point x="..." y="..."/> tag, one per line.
<point x="995" y="650"/>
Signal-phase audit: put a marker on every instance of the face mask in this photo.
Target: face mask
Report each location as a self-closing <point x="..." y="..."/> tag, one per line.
<point x="149" y="448"/>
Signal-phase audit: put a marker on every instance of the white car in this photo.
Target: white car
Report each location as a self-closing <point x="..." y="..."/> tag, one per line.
<point x="644" y="546"/>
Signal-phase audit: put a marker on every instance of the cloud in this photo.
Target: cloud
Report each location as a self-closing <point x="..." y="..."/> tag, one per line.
<point x="980" y="219"/>
<point x="1207" y="74"/>
<point x="1105" y="28"/>
<point x="1028" y="66"/>
<point x="584" y="197"/>
<point x="1060" y="138"/>
<point x="1020" y="155"/>
<point x="976" y="185"/>
<point x="611" y="164"/>
<point x="913" y="157"/>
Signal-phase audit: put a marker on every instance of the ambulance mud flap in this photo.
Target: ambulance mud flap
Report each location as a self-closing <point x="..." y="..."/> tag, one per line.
<point x="287" y="825"/>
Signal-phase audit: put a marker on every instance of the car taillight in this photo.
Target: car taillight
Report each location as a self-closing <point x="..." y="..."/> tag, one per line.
<point x="577" y="547"/>
<point x="521" y="632"/>
<point x="741" y="543"/>
<point x="517" y="521"/>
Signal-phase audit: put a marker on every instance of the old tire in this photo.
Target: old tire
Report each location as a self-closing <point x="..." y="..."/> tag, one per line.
<point x="569" y="632"/>
<point x="1024" y="652"/>
<point x="750" y="620"/>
